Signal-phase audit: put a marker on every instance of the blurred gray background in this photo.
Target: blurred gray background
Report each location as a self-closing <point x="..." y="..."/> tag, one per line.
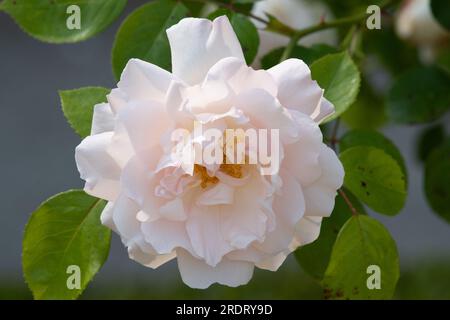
<point x="37" y="154"/>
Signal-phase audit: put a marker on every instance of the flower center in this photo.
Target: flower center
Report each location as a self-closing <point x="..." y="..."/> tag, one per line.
<point x="233" y="170"/>
<point x="205" y="178"/>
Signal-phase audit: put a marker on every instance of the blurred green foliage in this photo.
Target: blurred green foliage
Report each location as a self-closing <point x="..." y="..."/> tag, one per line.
<point x="427" y="279"/>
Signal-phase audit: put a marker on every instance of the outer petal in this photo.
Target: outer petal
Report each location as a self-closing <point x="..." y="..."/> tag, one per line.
<point x="102" y="119"/>
<point x="124" y="218"/>
<point x="97" y="167"/>
<point x="306" y="231"/>
<point x="197" y="274"/>
<point x="289" y="207"/>
<point x="145" y="123"/>
<point x="204" y="229"/>
<point x="141" y="80"/>
<point x="197" y="44"/>
<point x="107" y="216"/>
<point x="117" y="99"/>
<point x="274" y="262"/>
<point x="321" y="194"/>
<point x="265" y="112"/>
<point x="147" y="259"/>
<point x="240" y="77"/>
<point x="297" y="90"/>
<point x="302" y="157"/>
<point x="165" y="236"/>
<point x="139" y="183"/>
<point x="245" y="220"/>
<point x="261" y="259"/>
<point x="123" y="213"/>
<point x="326" y="109"/>
<point x="219" y="194"/>
<point x="120" y="148"/>
<point x="211" y="96"/>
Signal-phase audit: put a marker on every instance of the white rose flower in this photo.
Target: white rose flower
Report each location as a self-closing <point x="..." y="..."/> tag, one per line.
<point x="415" y="22"/>
<point x="297" y="14"/>
<point x="219" y="222"/>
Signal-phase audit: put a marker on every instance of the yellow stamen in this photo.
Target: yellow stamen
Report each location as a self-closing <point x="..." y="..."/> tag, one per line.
<point x="206" y="179"/>
<point x="233" y="170"/>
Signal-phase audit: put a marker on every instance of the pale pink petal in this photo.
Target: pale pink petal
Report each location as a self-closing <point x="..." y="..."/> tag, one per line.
<point x="173" y="210"/>
<point x="261" y="259"/>
<point x="235" y="73"/>
<point x="141" y="80"/>
<point x="220" y="120"/>
<point x="147" y="258"/>
<point x="124" y="216"/>
<point x="145" y="123"/>
<point x="197" y="44"/>
<point x="274" y="262"/>
<point x="197" y="274"/>
<point x="97" y="167"/>
<point x="139" y="182"/>
<point x="307" y="230"/>
<point x="289" y="203"/>
<point x="120" y="147"/>
<point x="102" y="119"/>
<point x="221" y="193"/>
<point x="176" y="105"/>
<point x="289" y="208"/>
<point x="266" y="112"/>
<point x="326" y="109"/>
<point x="320" y="195"/>
<point x="297" y="90"/>
<point x="117" y="99"/>
<point x="107" y="216"/>
<point x="204" y="230"/>
<point x="245" y="220"/>
<point x="302" y="157"/>
<point x="210" y="97"/>
<point x="165" y="235"/>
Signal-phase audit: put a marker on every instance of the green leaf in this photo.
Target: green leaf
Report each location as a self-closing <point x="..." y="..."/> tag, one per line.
<point x="419" y="95"/>
<point x="437" y="180"/>
<point x="143" y="34"/>
<point x="429" y="139"/>
<point x="242" y="6"/>
<point x="375" y="178"/>
<point x="353" y="43"/>
<point x="362" y="242"/>
<point x="441" y="11"/>
<point x="338" y="75"/>
<point x="388" y="51"/>
<point x="314" y="257"/>
<point x="443" y="61"/>
<point x="47" y="20"/>
<point x="247" y="35"/>
<point x="347" y="7"/>
<point x="307" y="54"/>
<point x="371" y="138"/>
<point x="195" y="8"/>
<point x="64" y="231"/>
<point x="78" y="107"/>
<point x="245" y="30"/>
<point x="367" y="112"/>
